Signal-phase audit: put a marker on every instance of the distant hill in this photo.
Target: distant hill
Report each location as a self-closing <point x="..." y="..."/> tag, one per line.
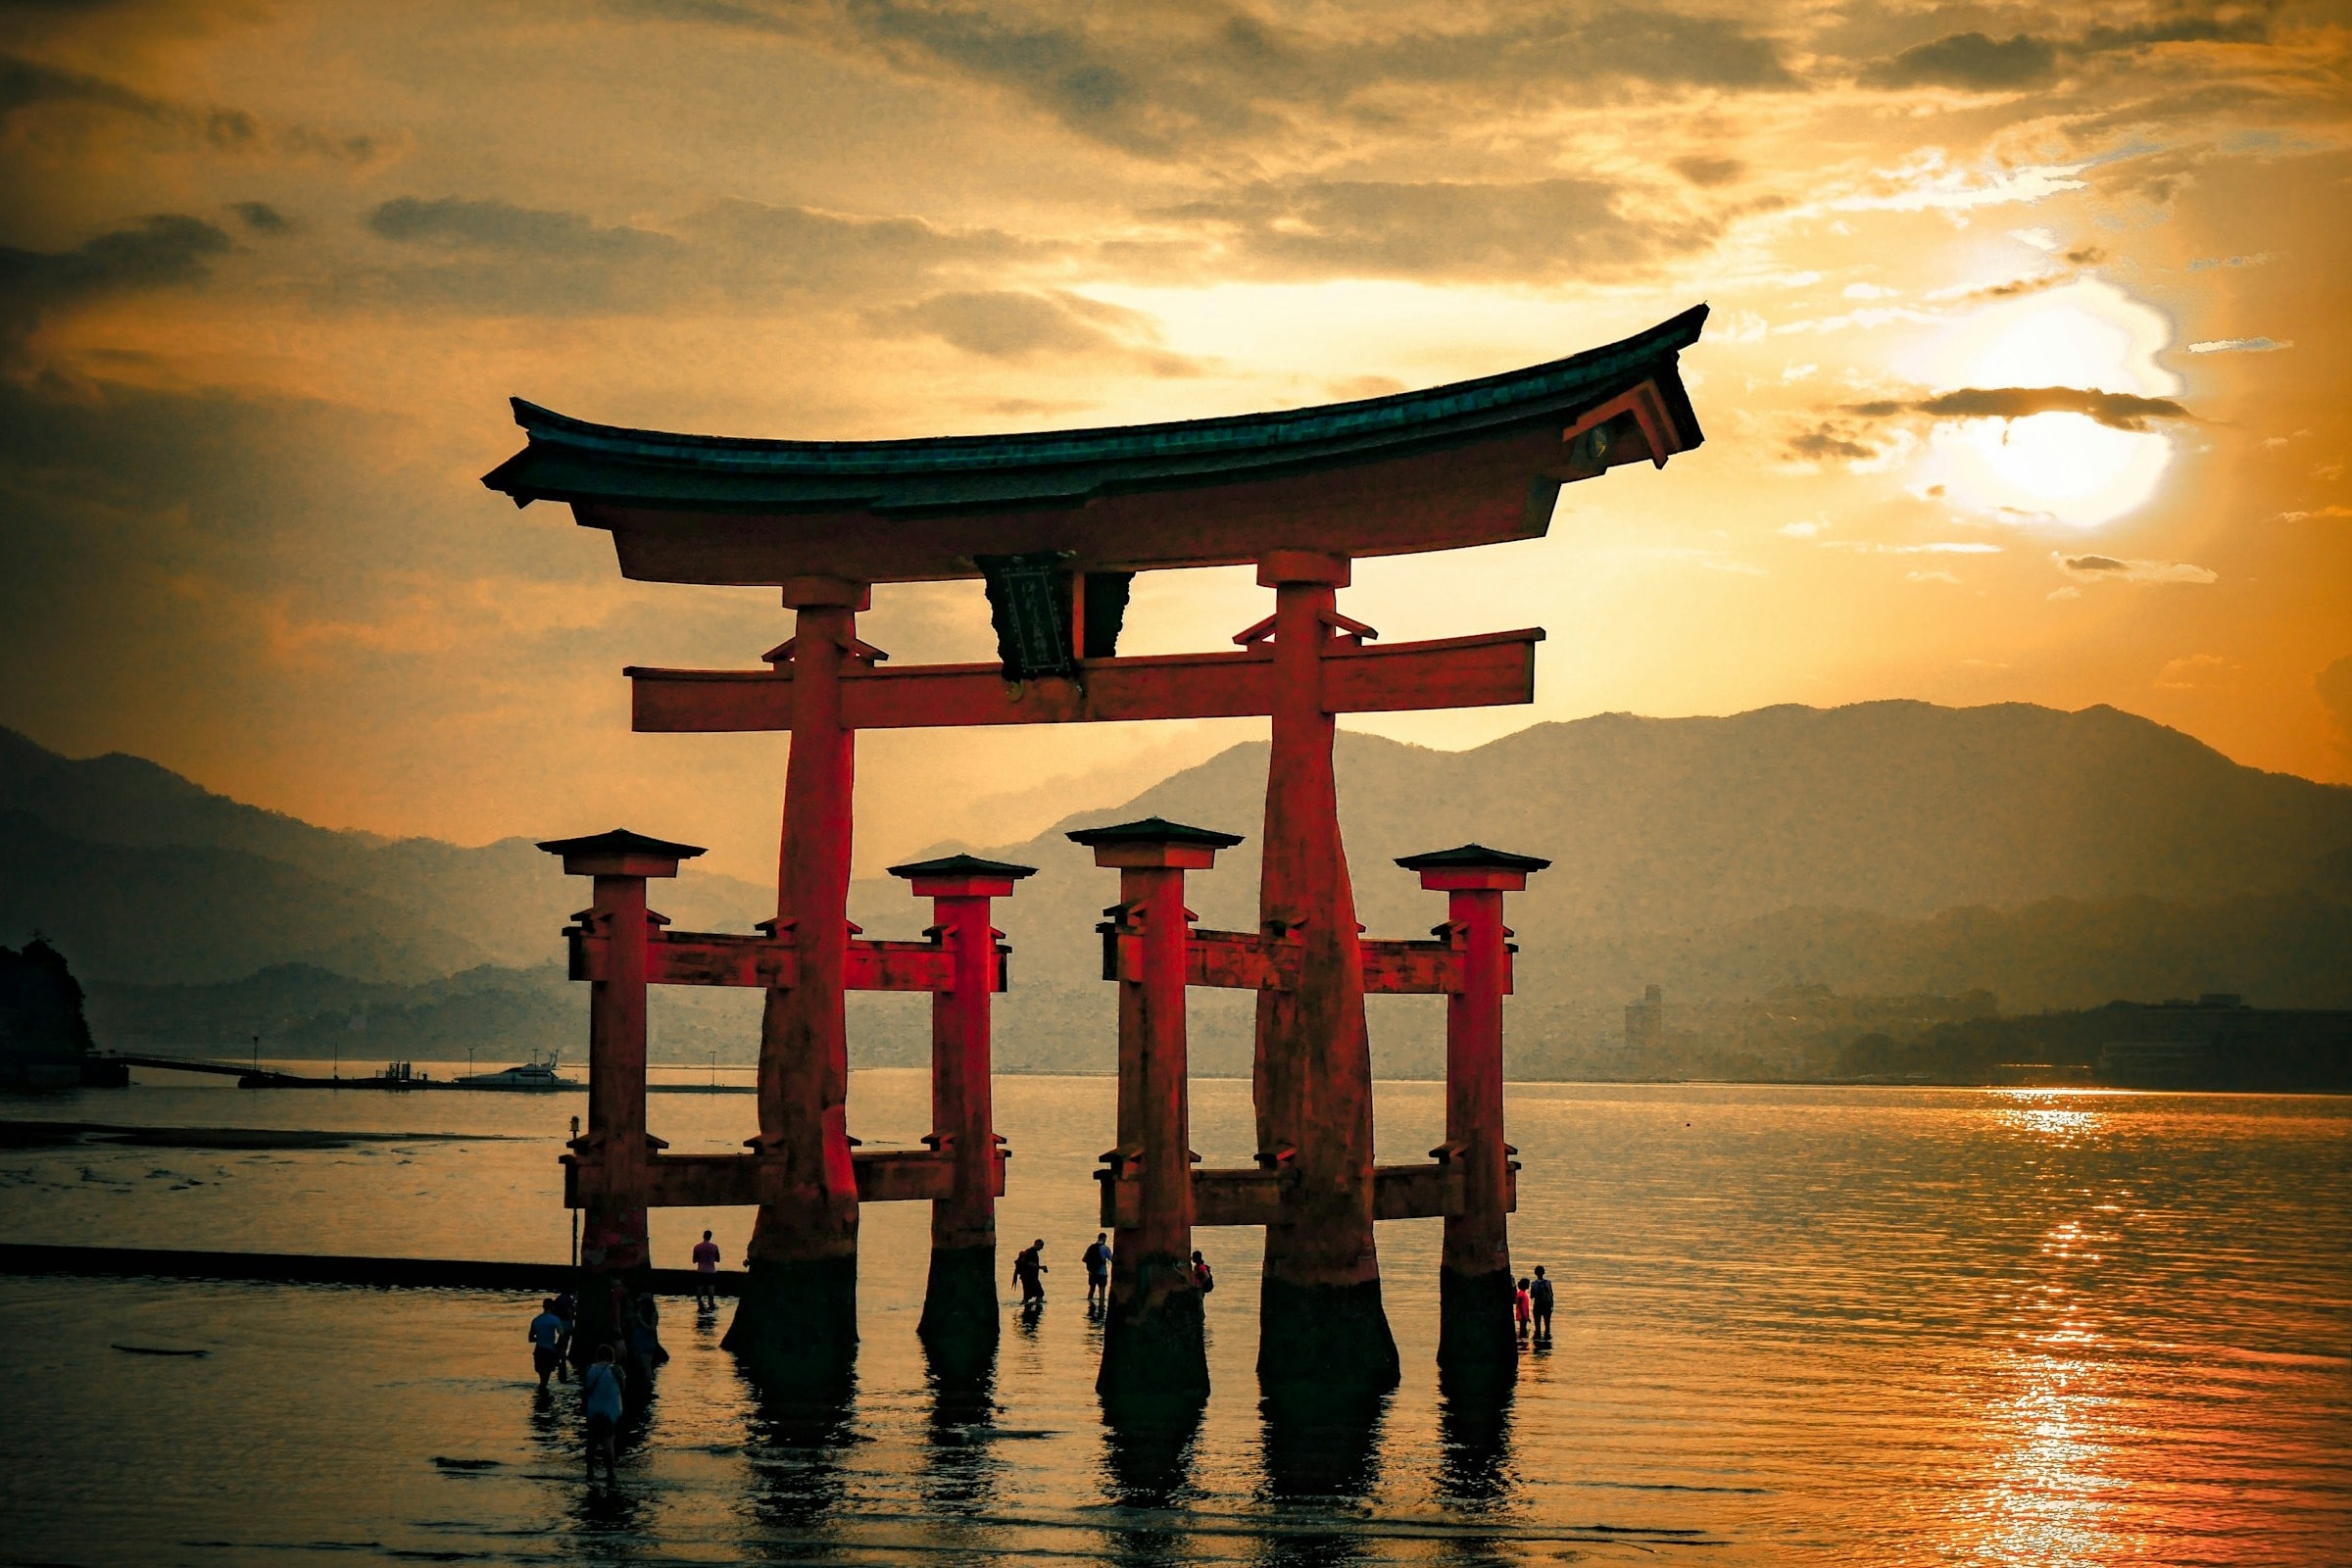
<point x="1810" y="838"/>
<point x="140" y="875"/>
<point x="2056" y="859"/>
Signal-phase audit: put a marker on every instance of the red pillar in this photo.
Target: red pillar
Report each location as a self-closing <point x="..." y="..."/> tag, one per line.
<point x="797" y="1320"/>
<point x="608" y="1162"/>
<point x="959" y="1321"/>
<point x="1323" y="1333"/>
<point x="1154" y="1351"/>
<point x="1476" y="1339"/>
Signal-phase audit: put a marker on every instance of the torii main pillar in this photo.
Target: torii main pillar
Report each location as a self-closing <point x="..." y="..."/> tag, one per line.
<point x="1323" y="1334"/>
<point x="797" y="1320"/>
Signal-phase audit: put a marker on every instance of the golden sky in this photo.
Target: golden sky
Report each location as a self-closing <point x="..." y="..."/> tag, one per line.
<point x="268" y="272"/>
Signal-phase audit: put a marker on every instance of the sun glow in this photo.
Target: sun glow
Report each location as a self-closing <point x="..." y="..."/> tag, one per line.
<point x="2066" y="467"/>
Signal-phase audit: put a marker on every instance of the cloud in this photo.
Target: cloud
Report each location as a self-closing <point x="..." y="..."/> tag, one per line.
<point x="2108" y="569"/>
<point x="2314" y="512"/>
<point x="28" y="84"/>
<point x="1830" y="441"/>
<point x="1013" y="325"/>
<point x="487" y="254"/>
<point x="2240" y="345"/>
<point x="262" y="217"/>
<point x="1701" y="169"/>
<point x="1528" y="231"/>
<point x="1174" y="81"/>
<point x="169" y="250"/>
<point x="1930" y="576"/>
<point x="452" y="222"/>
<point x="1969" y="60"/>
<point x="2119" y="411"/>
<point x="2191" y="672"/>
<point x="1977" y="61"/>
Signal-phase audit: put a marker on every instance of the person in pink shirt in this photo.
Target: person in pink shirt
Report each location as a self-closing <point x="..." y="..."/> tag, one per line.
<point x="706" y="1263"/>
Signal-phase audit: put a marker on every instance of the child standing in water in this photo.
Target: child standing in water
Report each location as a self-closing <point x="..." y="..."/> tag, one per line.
<point x="1524" y="1308"/>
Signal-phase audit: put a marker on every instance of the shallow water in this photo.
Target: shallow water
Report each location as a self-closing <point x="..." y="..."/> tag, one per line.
<point x="1797" y="1325"/>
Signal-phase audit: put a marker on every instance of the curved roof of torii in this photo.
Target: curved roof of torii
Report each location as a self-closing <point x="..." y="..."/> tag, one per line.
<point x="1470" y="463"/>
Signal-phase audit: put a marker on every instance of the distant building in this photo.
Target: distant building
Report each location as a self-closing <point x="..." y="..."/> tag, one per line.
<point x="1646" y="1020"/>
<point x="2218" y="1042"/>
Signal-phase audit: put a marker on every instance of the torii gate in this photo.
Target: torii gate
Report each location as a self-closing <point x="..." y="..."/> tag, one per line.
<point x="1056" y="524"/>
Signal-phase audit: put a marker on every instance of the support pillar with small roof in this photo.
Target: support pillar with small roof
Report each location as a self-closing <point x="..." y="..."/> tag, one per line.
<point x="959" y="1322"/>
<point x="1477" y="1348"/>
<point x="1154" y="1353"/>
<point x="608" y="1162"/>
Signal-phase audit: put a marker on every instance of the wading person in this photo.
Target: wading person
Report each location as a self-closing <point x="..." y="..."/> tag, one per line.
<point x="1202" y="1276"/>
<point x="1097" y="1259"/>
<point x="1026" y="1268"/>
<point x="600" y="1399"/>
<point x="1540" y="1298"/>
<point x="567" y="1307"/>
<point x="548" y="1332"/>
<point x="1522" y="1309"/>
<point x="706" y="1265"/>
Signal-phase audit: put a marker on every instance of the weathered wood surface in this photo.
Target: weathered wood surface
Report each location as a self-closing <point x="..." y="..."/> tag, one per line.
<point x="1487" y="670"/>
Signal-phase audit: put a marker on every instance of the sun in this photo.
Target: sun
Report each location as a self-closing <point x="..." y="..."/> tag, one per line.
<point x="2063" y="468"/>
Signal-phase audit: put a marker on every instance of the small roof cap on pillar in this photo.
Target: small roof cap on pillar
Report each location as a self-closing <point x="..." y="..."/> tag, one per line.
<point x="1154" y="840"/>
<point x="1154" y="830"/>
<point x="1470" y="866"/>
<point x="950" y="875"/>
<point x="1471" y="858"/>
<point x="621" y="853"/>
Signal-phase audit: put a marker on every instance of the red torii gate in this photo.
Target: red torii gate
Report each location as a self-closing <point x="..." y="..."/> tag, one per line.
<point x="1056" y="524"/>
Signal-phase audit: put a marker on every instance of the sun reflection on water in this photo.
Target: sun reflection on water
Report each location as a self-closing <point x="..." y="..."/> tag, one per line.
<point x="2048" y="1502"/>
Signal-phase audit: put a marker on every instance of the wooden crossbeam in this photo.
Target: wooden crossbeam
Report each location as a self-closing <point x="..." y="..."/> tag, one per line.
<point x="1245" y="960"/>
<point x="740" y="1181"/>
<point x="726" y="959"/>
<point x="1488" y="670"/>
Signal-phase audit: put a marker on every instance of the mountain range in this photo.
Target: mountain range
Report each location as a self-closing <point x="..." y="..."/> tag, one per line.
<point x="2053" y="858"/>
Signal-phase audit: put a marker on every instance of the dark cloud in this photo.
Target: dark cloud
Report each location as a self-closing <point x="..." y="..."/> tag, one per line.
<point x="1703" y="170"/>
<point x="453" y="223"/>
<point x="169" y="250"/>
<point x="1170" y="81"/>
<point x="26" y="84"/>
<point x="262" y="217"/>
<point x="2120" y="411"/>
<point x="2094" y="563"/>
<point x="1830" y="441"/>
<point x="466" y="253"/>
<point x="1970" y="60"/>
<point x="1532" y="231"/>
<point x="1977" y="61"/>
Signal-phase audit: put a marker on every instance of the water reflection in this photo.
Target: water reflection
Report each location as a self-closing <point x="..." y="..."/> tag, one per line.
<point x="2051" y="1116"/>
<point x="1474" y="1444"/>
<point x="960" y="1465"/>
<point x="796" y="1449"/>
<point x="2045" y="1505"/>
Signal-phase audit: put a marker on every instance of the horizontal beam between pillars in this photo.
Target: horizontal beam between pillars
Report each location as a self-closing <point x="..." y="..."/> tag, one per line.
<point x="1243" y="961"/>
<point x="741" y="1181"/>
<point x="1488" y="670"/>
<point x="1248" y="1196"/>
<point x="723" y="958"/>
